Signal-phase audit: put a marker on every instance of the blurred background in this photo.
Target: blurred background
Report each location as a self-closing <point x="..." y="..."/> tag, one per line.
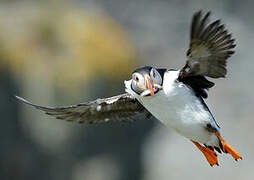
<point x="56" y="52"/>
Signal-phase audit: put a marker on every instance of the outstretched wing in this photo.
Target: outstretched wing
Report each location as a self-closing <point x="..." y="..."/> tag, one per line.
<point x="118" y="108"/>
<point x="210" y="47"/>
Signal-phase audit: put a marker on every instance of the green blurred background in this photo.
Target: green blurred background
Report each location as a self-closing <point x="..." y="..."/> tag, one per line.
<point x="57" y="52"/>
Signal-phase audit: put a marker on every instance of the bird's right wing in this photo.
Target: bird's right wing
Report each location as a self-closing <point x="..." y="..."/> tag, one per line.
<point x="118" y="108"/>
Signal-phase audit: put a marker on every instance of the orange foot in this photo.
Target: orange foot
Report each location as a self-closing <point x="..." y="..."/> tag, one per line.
<point x="227" y="148"/>
<point x="210" y="155"/>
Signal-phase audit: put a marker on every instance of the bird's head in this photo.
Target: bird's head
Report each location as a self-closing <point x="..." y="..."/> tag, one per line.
<point x="146" y="80"/>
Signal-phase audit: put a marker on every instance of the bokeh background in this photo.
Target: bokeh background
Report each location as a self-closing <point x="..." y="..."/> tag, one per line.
<point x="57" y="52"/>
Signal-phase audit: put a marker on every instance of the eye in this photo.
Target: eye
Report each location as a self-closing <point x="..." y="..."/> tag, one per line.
<point x="137" y="77"/>
<point x="154" y="74"/>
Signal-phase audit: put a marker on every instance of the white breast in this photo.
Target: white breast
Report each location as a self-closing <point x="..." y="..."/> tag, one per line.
<point x="177" y="107"/>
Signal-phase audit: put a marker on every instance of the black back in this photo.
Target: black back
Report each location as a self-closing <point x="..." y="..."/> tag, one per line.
<point x="199" y="84"/>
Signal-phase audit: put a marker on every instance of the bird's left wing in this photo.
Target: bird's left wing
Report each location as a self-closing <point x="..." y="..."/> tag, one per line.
<point x="210" y="47"/>
<point x="118" y="108"/>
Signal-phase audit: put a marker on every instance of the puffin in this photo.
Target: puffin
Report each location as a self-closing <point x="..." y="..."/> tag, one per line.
<point x="174" y="97"/>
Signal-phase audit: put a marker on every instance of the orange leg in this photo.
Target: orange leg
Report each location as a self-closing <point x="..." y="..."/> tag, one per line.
<point x="210" y="155"/>
<point x="227" y="148"/>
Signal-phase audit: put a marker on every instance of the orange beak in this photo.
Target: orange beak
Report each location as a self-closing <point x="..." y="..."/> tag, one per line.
<point x="149" y="84"/>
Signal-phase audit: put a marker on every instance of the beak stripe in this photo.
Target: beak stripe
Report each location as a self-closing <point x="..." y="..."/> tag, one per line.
<point x="148" y="80"/>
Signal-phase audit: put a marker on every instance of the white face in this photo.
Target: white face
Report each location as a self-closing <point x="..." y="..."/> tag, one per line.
<point x="138" y="82"/>
<point x="144" y="83"/>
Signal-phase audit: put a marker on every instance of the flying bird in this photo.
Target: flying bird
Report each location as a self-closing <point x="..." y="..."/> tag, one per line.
<point x="174" y="97"/>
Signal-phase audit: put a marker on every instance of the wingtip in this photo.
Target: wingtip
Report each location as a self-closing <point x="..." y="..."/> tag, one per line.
<point x="22" y="99"/>
<point x="201" y="12"/>
<point x="19" y="98"/>
<point x="198" y="13"/>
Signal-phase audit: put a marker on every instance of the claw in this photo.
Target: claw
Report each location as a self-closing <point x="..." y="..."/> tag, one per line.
<point x="209" y="154"/>
<point x="227" y="148"/>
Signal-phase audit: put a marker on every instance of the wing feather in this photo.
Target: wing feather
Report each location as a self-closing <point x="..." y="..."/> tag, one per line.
<point x="118" y="108"/>
<point x="210" y="47"/>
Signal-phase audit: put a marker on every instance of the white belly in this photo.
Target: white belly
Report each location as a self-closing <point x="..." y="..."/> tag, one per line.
<point x="177" y="107"/>
<point x="182" y="112"/>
